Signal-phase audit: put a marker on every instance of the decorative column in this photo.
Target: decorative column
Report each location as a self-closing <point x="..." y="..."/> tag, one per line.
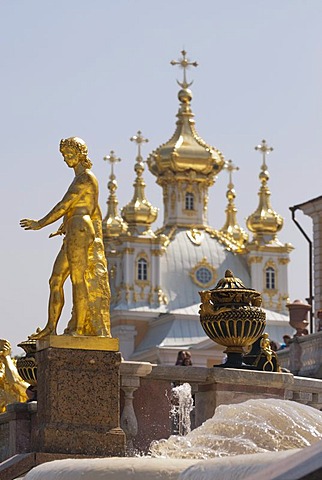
<point x="130" y="382"/>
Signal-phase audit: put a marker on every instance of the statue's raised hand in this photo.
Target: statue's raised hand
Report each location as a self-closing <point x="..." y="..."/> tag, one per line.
<point x="29" y="224"/>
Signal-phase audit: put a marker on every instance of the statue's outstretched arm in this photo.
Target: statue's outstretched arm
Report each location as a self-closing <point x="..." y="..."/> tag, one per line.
<point x="59" y="210"/>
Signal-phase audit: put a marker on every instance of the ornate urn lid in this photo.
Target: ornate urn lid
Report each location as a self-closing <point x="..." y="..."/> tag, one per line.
<point x="231" y="291"/>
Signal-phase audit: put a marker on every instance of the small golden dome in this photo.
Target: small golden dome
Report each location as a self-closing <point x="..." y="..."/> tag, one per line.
<point x="264" y="221"/>
<point x="139" y="212"/>
<point x="231" y="229"/>
<point x="113" y="224"/>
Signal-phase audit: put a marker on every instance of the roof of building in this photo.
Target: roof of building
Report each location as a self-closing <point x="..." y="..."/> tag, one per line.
<point x="184" y="258"/>
<point x="182" y="329"/>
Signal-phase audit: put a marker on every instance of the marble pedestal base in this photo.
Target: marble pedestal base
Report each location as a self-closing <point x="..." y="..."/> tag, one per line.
<point x="78" y="402"/>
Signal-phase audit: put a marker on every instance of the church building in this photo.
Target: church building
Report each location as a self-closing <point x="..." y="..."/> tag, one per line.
<point x="155" y="275"/>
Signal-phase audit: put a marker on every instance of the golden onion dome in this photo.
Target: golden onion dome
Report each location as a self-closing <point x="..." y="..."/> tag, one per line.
<point x="264" y="221"/>
<point x="231" y="228"/>
<point x="113" y="224"/>
<point x="139" y="212"/>
<point x="185" y="150"/>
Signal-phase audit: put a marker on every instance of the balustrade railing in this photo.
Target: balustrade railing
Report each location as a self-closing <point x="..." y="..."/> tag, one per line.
<point x="210" y="386"/>
<point x="146" y="400"/>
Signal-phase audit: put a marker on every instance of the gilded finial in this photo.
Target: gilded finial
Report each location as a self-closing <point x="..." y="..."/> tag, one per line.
<point x="139" y="213"/>
<point x="265" y="150"/>
<point x="184" y="63"/>
<point x="139" y="139"/>
<point x="264" y="221"/>
<point x="231" y="229"/>
<point x="112" y="159"/>
<point x="230" y="167"/>
<point x="113" y="224"/>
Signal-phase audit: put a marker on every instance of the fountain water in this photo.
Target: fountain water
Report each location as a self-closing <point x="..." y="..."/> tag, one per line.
<point x="182" y="406"/>
<point x="262" y="428"/>
<point x="253" y="426"/>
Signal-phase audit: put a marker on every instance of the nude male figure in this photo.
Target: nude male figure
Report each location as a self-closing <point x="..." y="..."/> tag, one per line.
<point x="79" y="209"/>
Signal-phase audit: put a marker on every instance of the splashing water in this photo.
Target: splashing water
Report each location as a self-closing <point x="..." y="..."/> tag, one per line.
<point x="250" y="427"/>
<point x="181" y="408"/>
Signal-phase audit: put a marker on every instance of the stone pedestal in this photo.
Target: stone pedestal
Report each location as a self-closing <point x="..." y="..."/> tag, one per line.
<point x="78" y="402"/>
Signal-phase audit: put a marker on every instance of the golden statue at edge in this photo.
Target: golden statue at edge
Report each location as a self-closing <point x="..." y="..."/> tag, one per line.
<point x="82" y="254"/>
<point x="12" y="387"/>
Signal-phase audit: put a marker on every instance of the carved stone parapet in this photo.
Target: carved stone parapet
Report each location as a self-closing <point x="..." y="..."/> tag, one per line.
<point x="304" y="356"/>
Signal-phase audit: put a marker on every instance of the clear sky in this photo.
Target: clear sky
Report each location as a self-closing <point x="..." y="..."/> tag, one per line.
<point x="101" y="70"/>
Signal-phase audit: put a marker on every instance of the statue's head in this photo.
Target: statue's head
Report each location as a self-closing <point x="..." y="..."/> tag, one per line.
<point x="79" y="147"/>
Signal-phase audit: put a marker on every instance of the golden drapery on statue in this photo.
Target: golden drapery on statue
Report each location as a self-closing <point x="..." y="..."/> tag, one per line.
<point x="82" y="254"/>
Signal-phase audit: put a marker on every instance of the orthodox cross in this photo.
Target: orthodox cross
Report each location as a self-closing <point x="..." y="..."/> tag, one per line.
<point x="184" y="63"/>
<point x="265" y="150"/>
<point x="139" y="139"/>
<point x="230" y="167"/>
<point x="112" y="159"/>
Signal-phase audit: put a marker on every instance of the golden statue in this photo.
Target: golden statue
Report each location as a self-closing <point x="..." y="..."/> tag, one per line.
<point x="82" y="254"/>
<point x="206" y="307"/>
<point x="12" y="387"/>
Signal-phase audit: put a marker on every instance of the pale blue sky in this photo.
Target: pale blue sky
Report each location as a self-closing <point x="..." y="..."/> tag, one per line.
<point x="100" y="70"/>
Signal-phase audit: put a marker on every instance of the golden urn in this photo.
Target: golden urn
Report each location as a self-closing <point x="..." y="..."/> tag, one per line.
<point x="27" y="366"/>
<point x="230" y="315"/>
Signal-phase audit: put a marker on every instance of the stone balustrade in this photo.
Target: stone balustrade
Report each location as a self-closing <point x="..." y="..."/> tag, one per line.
<point x="304" y="356"/>
<point x="146" y="400"/>
<point x="211" y="387"/>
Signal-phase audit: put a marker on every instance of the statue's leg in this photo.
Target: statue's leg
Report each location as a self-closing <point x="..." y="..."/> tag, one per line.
<point x="77" y="246"/>
<point x="56" y="298"/>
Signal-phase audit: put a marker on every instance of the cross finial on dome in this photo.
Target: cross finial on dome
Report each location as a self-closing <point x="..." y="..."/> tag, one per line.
<point x="230" y="167"/>
<point x="139" y="139"/>
<point x="265" y="150"/>
<point x="112" y="159"/>
<point x="184" y="63"/>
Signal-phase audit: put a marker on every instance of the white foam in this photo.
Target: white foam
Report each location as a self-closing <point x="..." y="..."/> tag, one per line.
<point x="181" y="408"/>
<point x="253" y="426"/>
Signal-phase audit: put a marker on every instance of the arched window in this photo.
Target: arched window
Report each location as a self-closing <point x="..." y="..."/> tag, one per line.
<point x="270" y="278"/>
<point x="189" y="201"/>
<point x="142" y="273"/>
